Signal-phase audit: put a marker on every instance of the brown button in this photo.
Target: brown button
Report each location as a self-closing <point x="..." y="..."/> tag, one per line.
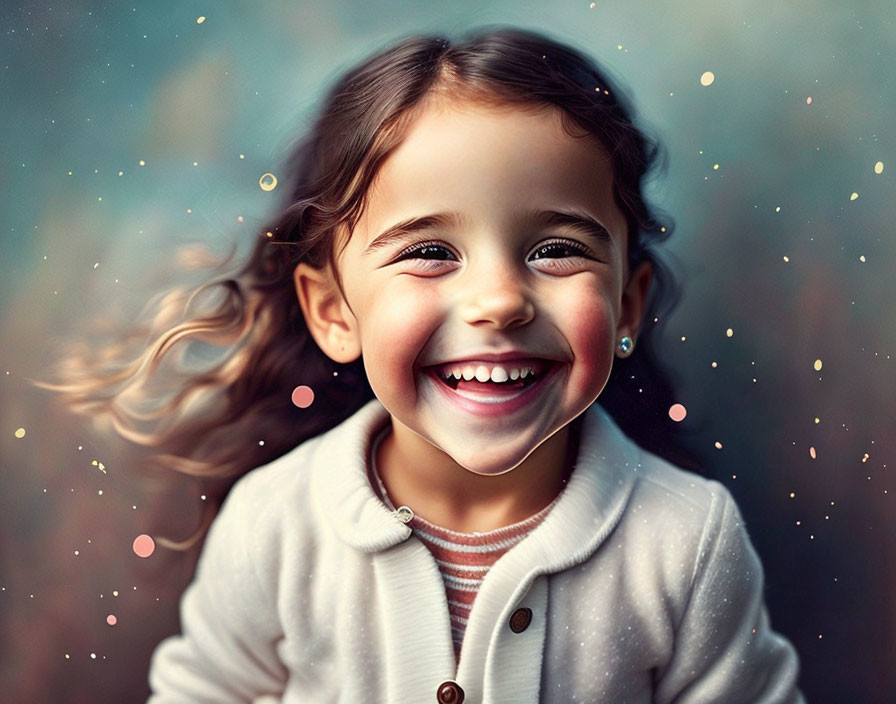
<point x="449" y="693"/>
<point x="520" y="620"/>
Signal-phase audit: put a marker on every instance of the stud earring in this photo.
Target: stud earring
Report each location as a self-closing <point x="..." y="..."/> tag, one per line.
<point x="625" y="346"/>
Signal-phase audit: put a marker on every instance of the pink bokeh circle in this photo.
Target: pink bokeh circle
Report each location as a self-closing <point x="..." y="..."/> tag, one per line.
<point x="303" y="396"/>
<point x="677" y="412"/>
<point x="144" y="545"/>
<point x="111" y="619"/>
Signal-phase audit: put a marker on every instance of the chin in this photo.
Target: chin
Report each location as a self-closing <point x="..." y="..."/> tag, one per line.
<point x="479" y="463"/>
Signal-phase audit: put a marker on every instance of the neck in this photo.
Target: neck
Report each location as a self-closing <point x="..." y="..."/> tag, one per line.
<point x="419" y="475"/>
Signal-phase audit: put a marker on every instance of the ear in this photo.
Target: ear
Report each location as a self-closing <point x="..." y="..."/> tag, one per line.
<point x="329" y="318"/>
<point x="634" y="298"/>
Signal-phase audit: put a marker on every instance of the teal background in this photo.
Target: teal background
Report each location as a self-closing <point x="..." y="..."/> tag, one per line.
<point x="88" y="89"/>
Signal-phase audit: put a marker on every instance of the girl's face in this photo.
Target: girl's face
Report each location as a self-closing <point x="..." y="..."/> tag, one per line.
<point x="486" y="283"/>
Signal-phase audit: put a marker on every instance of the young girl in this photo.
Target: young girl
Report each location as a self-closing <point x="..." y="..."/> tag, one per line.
<point x="466" y="221"/>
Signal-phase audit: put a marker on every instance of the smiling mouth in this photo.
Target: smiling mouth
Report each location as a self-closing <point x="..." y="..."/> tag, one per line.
<point x="491" y="377"/>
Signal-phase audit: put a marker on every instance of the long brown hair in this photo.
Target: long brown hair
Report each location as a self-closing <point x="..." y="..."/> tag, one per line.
<point x="222" y="360"/>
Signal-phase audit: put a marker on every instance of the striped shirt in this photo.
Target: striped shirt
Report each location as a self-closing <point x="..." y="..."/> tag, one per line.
<point x="463" y="558"/>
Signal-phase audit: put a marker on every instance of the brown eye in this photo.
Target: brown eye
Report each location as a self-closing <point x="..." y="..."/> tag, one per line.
<point x="426" y="250"/>
<point x="559" y="249"/>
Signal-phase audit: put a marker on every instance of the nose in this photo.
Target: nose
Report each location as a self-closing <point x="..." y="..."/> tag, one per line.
<point x="497" y="298"/>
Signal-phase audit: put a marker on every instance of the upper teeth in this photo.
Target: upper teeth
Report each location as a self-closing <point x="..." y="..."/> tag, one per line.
<point x="482" y="372"/>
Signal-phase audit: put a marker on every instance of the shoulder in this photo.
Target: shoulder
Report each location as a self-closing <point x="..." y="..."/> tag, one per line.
<point x="641" y="501"/>
<point x="286" y="504"/>
<point x="672" y="493"/>
<point x="683" y="568"/>
<point x="271" y="488"/>
<point x="683" y="503"/>
<point x="263" y="512"/>
<point x="690" y="525"/>
<point x="285" y="485"/>
<point x="265" y="506"/>
<point x="657" y="495"/>
<point x="711" y="582"/>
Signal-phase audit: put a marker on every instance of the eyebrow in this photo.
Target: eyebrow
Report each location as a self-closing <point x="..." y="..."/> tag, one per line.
<point x="581" y="222"/>
<point x="401" y="230"/>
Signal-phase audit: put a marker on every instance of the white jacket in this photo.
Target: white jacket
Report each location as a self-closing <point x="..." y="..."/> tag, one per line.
<point x="642" y="584"/>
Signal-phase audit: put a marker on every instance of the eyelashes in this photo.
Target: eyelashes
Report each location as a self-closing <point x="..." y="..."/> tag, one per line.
<point x="561" y="248"/>
<point x="432" y="253"/>
<point x="429" y="251"/>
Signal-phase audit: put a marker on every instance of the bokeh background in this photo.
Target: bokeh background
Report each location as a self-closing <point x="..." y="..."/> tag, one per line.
<point x="132" y="132"/>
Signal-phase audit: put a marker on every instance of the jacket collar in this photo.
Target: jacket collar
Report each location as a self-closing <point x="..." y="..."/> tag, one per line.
<point x="588" y="509"/>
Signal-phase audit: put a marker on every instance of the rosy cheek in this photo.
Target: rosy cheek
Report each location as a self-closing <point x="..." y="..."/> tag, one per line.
<point x="590" y="331"/>
<point x="395" y="329"/>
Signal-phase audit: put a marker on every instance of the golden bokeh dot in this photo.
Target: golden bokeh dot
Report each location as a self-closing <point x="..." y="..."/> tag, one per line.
<point x="812" y="453"/>
<point x="20" y="433"/>
<point x="879" y="167"/>
<point x="268" y="181"/>
<point x="200" y="20"/>
<point x="707" y="78"/>
<point x="862" y="258"/>
<point x="853" y="195"/>
<point x="817" y="365"/>
<point x="718" y="445"/>
<point x="786" y="258"/>
<point x="817" y="421"/>
<point x="729" y="332"/>
<point x="142" y="162"/>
